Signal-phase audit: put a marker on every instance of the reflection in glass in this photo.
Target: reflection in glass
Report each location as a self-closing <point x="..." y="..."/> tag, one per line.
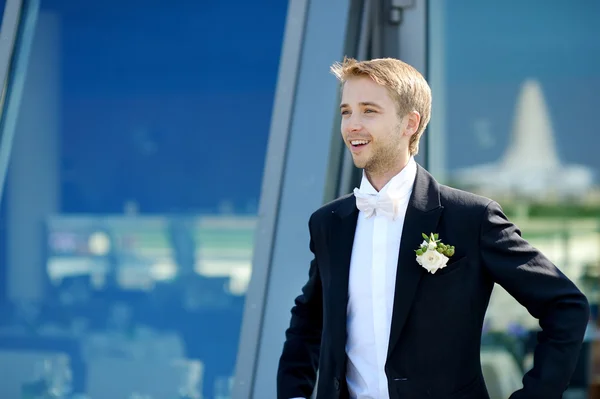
<point x="131" y="200"/>
<point x="530" y="167"/>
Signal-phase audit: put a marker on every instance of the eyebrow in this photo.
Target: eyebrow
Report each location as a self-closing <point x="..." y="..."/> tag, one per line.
<point x="363" y="104"/>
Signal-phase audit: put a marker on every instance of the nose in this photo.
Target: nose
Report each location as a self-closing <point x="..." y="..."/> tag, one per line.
<point x="352" y="124"/>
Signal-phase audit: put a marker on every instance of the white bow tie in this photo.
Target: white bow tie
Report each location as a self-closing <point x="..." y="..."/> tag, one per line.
<point x="371" y="204"/>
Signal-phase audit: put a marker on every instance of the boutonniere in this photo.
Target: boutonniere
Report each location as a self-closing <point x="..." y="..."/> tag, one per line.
<point x="433" y="254"/>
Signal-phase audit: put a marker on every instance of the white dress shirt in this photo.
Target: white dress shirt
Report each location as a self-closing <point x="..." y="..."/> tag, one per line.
<point x="371" y="288"/>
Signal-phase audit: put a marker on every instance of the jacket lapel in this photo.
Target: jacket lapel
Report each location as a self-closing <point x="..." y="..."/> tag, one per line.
<point x="341" y="241"/>
<point x="422" y="216"/>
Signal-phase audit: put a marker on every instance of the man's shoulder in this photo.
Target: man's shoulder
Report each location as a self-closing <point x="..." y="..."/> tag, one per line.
<point x="331" y="207"/>
<point x="454" y="198"/>
<point x="465" y="209"/>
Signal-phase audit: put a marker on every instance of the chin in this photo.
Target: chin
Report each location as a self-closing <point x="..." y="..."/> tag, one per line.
<point x="359" y="163"/>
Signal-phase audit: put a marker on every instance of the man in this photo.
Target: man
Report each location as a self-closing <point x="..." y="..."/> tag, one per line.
<point x="388" y="314"/>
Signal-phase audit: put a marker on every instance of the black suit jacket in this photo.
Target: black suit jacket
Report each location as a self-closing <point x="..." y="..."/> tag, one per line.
<point x="437" y="318"/>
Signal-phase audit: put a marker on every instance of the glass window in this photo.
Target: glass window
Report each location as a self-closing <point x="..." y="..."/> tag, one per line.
<point x="132" y="193"/>
<point x="2" y="6"/>
<point x="2" y="207"/>
<point x="517" y="84"/>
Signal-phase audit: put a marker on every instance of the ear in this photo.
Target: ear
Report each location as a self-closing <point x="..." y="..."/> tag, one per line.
<point x="411" y="120"/>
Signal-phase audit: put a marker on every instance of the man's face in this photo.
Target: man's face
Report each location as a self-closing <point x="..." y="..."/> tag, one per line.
<point x="371" y="127"/>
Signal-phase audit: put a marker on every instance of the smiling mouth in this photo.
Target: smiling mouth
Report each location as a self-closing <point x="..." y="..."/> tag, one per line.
<point x="359" y="143"/>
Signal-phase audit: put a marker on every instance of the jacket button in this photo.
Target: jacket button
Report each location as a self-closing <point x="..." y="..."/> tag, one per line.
<point x="336" y="384"/>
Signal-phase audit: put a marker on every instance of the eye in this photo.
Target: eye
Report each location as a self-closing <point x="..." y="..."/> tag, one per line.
<point x="369" y="111"/>
<point x="345" y="112"/>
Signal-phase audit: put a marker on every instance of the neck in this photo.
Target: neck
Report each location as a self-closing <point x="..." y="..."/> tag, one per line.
<point x="379" y="178"/>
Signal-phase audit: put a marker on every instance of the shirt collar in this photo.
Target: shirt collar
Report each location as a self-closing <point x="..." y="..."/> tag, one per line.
<point x="399" y="186"/>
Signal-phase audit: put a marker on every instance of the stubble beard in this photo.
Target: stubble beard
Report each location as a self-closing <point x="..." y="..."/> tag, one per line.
<point x="384" y="157"/>
<point x="382" y="160"/>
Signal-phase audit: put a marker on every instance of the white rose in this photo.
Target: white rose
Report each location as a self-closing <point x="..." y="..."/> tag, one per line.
<point x="432" y="261"/>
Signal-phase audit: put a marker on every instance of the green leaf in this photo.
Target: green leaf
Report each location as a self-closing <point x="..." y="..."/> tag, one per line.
<point x="436" y="236"/>
<point x="425" y="237"/>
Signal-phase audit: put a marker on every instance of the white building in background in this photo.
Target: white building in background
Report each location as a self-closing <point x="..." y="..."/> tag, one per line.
<point x="530" y="166"/>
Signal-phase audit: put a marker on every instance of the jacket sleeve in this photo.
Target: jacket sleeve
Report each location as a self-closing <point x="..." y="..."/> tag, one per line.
<point x="548" y="295"/>
<point x="299" y="361"/>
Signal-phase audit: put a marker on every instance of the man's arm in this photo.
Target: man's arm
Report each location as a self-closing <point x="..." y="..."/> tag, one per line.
<point x="299" y="361"/>
<point x="550" y="297"/>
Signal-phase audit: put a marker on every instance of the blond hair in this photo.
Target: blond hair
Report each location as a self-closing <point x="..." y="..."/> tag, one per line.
<point x="407" y="87"/>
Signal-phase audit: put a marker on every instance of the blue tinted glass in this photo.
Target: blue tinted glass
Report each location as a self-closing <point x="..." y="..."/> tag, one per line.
<point x="132" y="193"/>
